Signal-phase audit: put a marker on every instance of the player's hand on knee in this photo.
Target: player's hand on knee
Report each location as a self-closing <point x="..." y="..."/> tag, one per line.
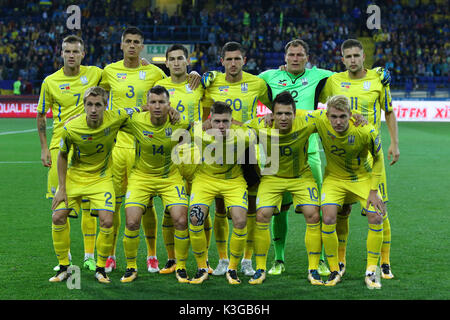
<point x="376" y="202"/>
<point x="59" y="197"/>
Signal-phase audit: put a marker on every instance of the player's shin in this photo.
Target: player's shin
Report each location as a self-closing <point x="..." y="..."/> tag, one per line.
<point x="313" y="244"/>
<point x="374" y="242"/>
<point x="181" y="247"/>
<point x="221" y="232"/>
<point x="104" y="244"/>
<point x="149" y="224"/>
<point x="262" y="244"/>
<point x="330" y="243"/>
<point x="237" y="246"/>
<point x="249" y="246"/>
<point x="342" y="230"/>
<point x="130" y="246"/>
<point x="386" y="246"/>
<point x="168" y="233"/>
<point x="89" y="229"/>
<point x="61" y="242"/>
<point x="279" y="231"/>
<point x="198" y="244"/>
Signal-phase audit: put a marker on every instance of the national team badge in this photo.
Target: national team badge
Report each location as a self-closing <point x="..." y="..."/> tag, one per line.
<point x="345" y="85"/>
<point x="148" y="134"/>
<point x="366" y="85"/>
<point x="244" y="87"/>
<point x="107" y="131"/>
<point x="332" y="136"/>
<point x="188" y="89"/>
<point x="65" y="86"/>
<point x="84" y="80"/>
<point x="142" y="75"/>
<point x="171" y="91"/>
<point x="282" y="83"/>
<point x="86" y="137"/>
<point x="121" y="76"/>
<point x="223" y="89"/>
<point x="351" y="139"/>
<point x="305" y="81"/>
<point x="168" y="132"/>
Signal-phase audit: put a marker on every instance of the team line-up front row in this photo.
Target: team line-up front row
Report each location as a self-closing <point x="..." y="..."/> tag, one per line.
<point x="190" y="164"/>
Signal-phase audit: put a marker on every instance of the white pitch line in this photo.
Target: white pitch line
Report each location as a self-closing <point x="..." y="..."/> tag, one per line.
<point x="18" y="162"/>
<point x="20" y="131"/>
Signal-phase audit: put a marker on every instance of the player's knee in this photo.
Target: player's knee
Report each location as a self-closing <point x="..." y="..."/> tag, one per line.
<point x="197" y="216"/>
<point x="133" y="224"/>
<point x="59" y="218"/>
<point x="328" y="219"/>
<point x="180" y="222"/>
<point x="239" y="221"/>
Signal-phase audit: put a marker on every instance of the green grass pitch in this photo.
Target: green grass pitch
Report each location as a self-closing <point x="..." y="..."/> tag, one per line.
<point x="418" y="209"/>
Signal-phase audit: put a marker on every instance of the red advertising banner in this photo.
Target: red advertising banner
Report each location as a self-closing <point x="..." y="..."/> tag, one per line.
<point x="19" y="107"/>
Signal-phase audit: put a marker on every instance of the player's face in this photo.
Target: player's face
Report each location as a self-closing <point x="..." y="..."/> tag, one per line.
<point x="283" y="117"/>
<point x="353" y="59"/>
<point x="158" y="105"/>
<point x="296" y="59"/>
<point x="233" y="61"/>
<point x="132" y="45"/>
<point x="94" y="107"/>
<point x="221" y="122"/>
<point x="338" y="119"/>
<point x="72" y="54"/>
<point x="177" y="62"/>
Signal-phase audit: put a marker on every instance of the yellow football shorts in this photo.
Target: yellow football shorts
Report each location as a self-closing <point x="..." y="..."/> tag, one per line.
<point x="98" y="191"/>
<point x="142" y="187"/>
<point x="338" y="192"/>
<point x="206" y="188"/>
<point x="303" y="190"/>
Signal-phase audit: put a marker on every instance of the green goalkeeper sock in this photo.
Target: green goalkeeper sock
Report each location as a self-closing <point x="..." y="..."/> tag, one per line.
<point x="279" y="234"/>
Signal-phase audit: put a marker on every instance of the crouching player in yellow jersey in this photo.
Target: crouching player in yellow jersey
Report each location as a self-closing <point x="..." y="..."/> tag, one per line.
<point x="92" y="137"/>
<point x="221" y="147"/>
<point x="286" y="145"/>
<point x="368" y="97"/>
<point x="349" y="178"/>
<point x="63" y="92"/>
<point x="154" y="174"/>
<point x="189" y="103"/>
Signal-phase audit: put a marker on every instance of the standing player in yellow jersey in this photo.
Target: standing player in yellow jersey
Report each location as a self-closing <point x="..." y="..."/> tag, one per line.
<point x="293" y="174"/>
<point x="87" y="175"/>
<point x="369" y="98"/>
<point x="189" y="103"/>
<point x="221" y="149"/>
<point x="154" y="174"/>
<point x="241" y="90"/>
<point x="350" y="176"/>
<point x="128" y="81"/>
<point x="62" y="92"/>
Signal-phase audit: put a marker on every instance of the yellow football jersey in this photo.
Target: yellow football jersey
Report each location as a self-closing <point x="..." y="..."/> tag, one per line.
<point x="92" y="147"/>
<point x="243" y="96"/>
<point x="291" y="148"/>
<point x="154" y="144"/>
<point x="222" y="159"/>
<point x="367" y="95"/>
<point x="188" y="102"/>
<point x="64" y="95"/>
<point x="347" y="153"/>
<point x="128" y="87"/>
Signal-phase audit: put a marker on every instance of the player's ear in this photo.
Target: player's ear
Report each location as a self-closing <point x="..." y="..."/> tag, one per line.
<point x="221" y="62"/>
<point x="245" y="60"/>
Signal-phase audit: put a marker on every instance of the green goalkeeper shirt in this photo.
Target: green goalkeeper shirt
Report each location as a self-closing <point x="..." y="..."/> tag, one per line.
<point x="305" y="89"/>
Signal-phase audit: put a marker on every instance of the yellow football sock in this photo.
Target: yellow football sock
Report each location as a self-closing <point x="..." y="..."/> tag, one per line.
<point x="374" y="242"/>
<point x="237" y="246"/>
<point x="313" y="244"/>
<point x="88" y="228"/>
<point x="181" y="247"/>
<point x="61" y="242"/>
<point x="130" y="247"/>
<point x="208" y="232"/>
<point x="168" y="232"/>
<point x="342" y="230"/>
<point x="221" y="232"/>
<point x="149" y="224"/>
<point x="104" y="245"/>
<point x="249" y="246"/>
<point x="330" y="243"/>
<point x="386" y="246"/>
<point x="198" y="244"/>
<point x="116" y="224"/>
<point x="261" y="238"/>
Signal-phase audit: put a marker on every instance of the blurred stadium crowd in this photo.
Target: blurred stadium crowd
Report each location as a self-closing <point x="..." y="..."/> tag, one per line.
<point x="413" y="42"/>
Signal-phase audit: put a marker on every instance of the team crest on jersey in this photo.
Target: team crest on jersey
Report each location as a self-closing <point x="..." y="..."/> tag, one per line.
<point x="142" y="75"/>
<point x="86" y="137"/>
<point x="223" y="89"/>
<point x="121" y="76"/>
<point x="107" y="131"/>
<point x="168" y="132"/>
<point x="188" y="89"/>
<point x="171" y="91"/>
<point x="148" y="134"/>
<point x="84" y="80"/>
<point x="244" y="87"/>
<point x="351" y="139"/>
<point x="65" y="86"/>
<point x="305" y="81"/>
<point x="282" y="83"/>
<point x="345" y="85"/>
<point x="366" y="85"/>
